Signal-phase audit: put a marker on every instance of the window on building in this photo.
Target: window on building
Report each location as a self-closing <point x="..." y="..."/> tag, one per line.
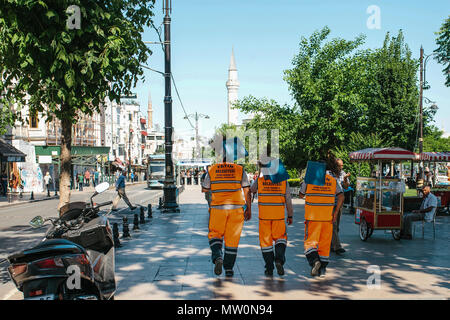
<point x="121" y="150"/>
<point x="34" y="120"/>
<point x="159" y="138"/>
<point x="130" y="117"/>
<point x="150" y="137"/>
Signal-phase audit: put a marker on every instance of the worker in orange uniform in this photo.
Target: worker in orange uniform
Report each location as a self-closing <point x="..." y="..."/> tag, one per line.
<point x="273" y="198"/>
<point x="320" y="214"/>
<point x="230" y="192"/>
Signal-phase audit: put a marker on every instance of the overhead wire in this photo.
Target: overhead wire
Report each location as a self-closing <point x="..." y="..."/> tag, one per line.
<point x="171" y="75"/>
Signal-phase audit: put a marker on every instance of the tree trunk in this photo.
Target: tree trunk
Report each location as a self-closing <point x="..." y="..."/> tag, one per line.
<point x="66" y="161"/>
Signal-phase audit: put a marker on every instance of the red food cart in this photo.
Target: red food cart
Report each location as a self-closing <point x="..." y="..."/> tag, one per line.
<point x="379" y="196"/>
<point x="441" y="185"/>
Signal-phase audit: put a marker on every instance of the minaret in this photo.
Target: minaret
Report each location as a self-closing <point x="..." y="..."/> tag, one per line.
<point x="232" y="87"/>
<point x="150" y="112"/>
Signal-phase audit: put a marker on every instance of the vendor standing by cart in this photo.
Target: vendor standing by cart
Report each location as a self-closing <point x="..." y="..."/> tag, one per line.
<point x="341" y="178"/>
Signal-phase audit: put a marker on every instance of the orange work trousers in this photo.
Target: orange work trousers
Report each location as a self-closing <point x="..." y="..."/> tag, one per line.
<point x="226" y="225"/>
<point x="317" y="240"/>
<point x="270" y="231"/>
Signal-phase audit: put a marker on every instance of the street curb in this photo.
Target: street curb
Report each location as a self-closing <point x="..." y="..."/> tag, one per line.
<point x="13" y="204"/>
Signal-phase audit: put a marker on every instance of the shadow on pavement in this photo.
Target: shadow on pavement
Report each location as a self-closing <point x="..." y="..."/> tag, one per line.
<point x="169" y="258"/>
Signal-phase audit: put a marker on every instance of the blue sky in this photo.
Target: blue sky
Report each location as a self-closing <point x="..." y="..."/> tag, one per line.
<point x="265" y="35"/>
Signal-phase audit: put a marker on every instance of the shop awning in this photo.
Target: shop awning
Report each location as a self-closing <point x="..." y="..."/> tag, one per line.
<point x="81" y="155"/>
<point x="435" y="156"/>
<point x="383" y="154"/>
<point x="10" y="154"/>
<point x="144" y="133"/>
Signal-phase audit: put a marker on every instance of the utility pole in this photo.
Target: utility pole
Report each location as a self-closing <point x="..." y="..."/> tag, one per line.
<point x="169" y="199"/>
<point x="421" y="175"/>
<point x="196" y="117"/>
<point x="129" y="150"/>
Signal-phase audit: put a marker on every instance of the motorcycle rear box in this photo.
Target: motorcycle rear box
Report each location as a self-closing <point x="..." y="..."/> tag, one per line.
<point x="93" y="235"/>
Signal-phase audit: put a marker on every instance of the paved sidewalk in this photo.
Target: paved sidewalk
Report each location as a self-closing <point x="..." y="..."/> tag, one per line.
<point x="169" y="258"/>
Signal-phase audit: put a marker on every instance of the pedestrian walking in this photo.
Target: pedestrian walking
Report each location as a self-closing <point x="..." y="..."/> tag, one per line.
<point x="96" y="176"/>
<point x="80" y="181"/>
<point x="132" y="177"/>
<point x="87" y="177"/>
<point x="47" y="181"/>
<point x="320" y="213"/>
<point x="273" y="199"/>
<point x="120" y="188"/>
<point x="230" y="192"/>
<point x="341" y="178"/>
<point x="4" y="178"/>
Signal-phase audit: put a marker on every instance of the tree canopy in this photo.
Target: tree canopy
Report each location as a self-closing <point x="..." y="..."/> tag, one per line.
<point x="64" y="72"/>
<point x="343" y="94"/>
<point x="443" y="49"/>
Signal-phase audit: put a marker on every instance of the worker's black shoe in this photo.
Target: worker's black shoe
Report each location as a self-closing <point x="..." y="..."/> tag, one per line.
<point x="133" y="208"/>
<point x="315" y="268"/>
<point x="280" y="268"/>
<point x="340" y="251"/>
<point x="218" y="266"/>
<point x="322" y="271"/>
<point x="268" y="272"/>
<point x="114" y="210"/>
<point x="229" y="273"/>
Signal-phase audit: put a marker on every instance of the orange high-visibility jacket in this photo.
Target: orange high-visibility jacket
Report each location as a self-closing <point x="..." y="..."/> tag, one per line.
<point x="271" y="199"/>
<point x="319" y="200"/>
<point x="226" y="187"/>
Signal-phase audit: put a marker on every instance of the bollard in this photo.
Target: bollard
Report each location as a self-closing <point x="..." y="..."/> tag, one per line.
<point x="160" y="203"/>
<point x="116" y="235"/>
<point x="32" y="195"/>
<point x="142" y="217"/>
<point x="149" y="212"/>
<point x="126" y="230"/>
<point x="136" y="222"/>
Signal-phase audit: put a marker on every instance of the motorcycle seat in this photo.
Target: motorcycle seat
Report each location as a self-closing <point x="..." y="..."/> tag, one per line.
<point x="56" y="246"/>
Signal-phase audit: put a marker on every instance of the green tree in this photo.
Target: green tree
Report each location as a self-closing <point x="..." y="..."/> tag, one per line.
<point x="340" y="91"/>
<point x="391" y="94"/>
<point x="324" y="83"/>
<point x="68" y="72"/>
<point x="443" y="49"/>
<point x="357" y="141"/>
<point x="434" y="142"/>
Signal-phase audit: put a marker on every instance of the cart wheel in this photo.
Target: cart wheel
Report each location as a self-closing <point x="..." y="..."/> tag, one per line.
<point x="370" y="232"/>
<point x="396" y="234"/>
<point x="363" y="230"/>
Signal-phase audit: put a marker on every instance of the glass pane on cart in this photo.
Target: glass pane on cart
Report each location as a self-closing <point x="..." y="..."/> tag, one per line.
<point x="391" y="201"/>
<point x="365" y="199"/>
<point x="365" y="183"/>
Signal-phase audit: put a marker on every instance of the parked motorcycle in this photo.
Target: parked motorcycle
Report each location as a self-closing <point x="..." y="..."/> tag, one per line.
<point x="75" y="260"/>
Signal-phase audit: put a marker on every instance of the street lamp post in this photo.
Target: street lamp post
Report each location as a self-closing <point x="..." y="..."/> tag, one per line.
<point x="196" y="117"/>
<point x="423" y="66"/>
<point x="169" y="198"/>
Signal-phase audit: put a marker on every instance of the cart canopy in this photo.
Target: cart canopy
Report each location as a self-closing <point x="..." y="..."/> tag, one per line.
<point x="383" y="154"/>
<point x="435" y="156"/>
